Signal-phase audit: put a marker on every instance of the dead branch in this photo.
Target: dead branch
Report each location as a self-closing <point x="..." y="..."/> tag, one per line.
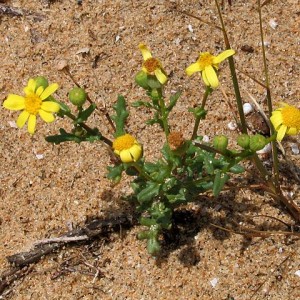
<point x="95" y="228"/>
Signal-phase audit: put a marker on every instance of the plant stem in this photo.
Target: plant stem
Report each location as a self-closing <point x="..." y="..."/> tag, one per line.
<point x="164" y="114"/>
<point x="269" y="102"/>
<point x="243" y="125"/>
<point x="89" y="129"/>
<point x="198" y="118"/>
<point x="141" y="171"/>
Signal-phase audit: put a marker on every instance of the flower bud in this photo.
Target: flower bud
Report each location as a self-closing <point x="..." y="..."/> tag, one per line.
<point x="41" y="81"/>
<point x="243" y="141"/>
<point x="77" y="96"/>
<point x="257" y="142"/>
<point x="220" y="142"/>
<point x="141" y="79"/>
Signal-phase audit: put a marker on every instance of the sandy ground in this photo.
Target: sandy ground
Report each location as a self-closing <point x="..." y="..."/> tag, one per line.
<point x="45" y="188"/>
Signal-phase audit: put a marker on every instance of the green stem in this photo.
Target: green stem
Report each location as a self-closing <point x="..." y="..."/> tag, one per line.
<point x="269" y="102"/>
<point x="89" y="129"/>
<point x="198" y="118"/>
<point x="164" y="114"/>
<point x="141" y="171"/>
<point x="243" y="125"/>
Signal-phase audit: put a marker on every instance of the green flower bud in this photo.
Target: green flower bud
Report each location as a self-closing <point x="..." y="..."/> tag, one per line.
<point x="243" y="141"/>
<point x="220" y="143"/>
<point x="257" y="142"/>
<point x="77" y="96"/>
<point x="141" y="79"/>
<point x="41" y="81"/>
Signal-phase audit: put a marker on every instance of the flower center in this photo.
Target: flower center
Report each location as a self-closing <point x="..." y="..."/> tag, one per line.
<point x="291" y="116"/>
<point x="205" y="60"/>
<point x="151" y="64"/>
<point x="123" y="142"/>
<point x="32" y="103"/>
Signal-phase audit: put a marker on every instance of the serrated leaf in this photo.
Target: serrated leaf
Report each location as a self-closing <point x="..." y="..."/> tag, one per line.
<point x="149" y="192"/>
<point x="121" y="116"/>
<point x="173" y="100"/>
<point x="63" y="137"/>
<point x="115" y="173"/>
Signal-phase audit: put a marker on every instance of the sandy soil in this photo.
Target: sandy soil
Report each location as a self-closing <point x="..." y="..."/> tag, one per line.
<point x="46" y="188"/>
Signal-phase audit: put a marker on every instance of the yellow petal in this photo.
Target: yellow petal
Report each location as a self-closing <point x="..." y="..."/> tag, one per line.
<point x="125" y="156"/>
<point x="222" y="56"/>
<point x="162" y="78"/>
<point x="276" y="119"/>
<point x="31" y="84"/>
<point x="14" y="102"/>
<point x="281" y="133"/>
<point x="31" y="124"/>
<point x="39" y="90"/>
<point x="49" y="90"/>
<point x="136" y="151"/>
<point x="22" y="119"/>
<point x="292" y="131"/>
<point x="50" y="106"/>
<point x="205" y="78"/>
<point x="193" y="68"/>
<point x="46" y="116"/>
<point x="145" y="51"/>
<point x="211" y="76"/>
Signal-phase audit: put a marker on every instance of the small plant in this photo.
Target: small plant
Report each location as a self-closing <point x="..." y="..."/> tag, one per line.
<point x="188" y="166"/>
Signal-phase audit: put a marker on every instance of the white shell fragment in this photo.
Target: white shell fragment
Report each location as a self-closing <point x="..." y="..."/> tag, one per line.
<point x="117" y="38"/>
<point x="295" y="148"/>
<point x="214" y="282"/>
<point x="297" y="273"/>
<point x="273" y="23"/>
<point x="85" y="50"/>
<point x="232" y="126"/>
<point x="265" y="150"/>
<point x="190" y="28"/>
<point x="247" y="108"/>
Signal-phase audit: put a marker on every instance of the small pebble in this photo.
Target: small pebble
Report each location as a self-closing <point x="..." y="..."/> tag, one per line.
<point x="295" y="148"/>
<point x="190" y="28"/>
<point x="247" y="108"/>
<point x="273" y="23"/>
<point x="297" y="273"/>
<point x="232" y="126"/>
<point x="214" y="282"/>
<point x="117" y="38"/>
<point x="12" y="124"/>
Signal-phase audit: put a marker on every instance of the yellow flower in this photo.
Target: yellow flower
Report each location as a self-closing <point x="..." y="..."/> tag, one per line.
<point x="208" y="64"/>
<point x="286" y="120"/>
<point x="127" y="147"/>
<point x="151" y="65"/>
<point x="32" y="104"/>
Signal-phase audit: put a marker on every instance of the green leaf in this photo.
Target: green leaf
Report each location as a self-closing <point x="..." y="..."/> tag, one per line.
<point x="142" y="103"/>
<point x="220" y="180"/>
<point x="149" y="192"/>
<point x="178" y="198"/>
<point x="173" y="101"/>
<point x="121" y="116"/>
<point x="84" y="115"/>
<point x="115" y="173"/>
<point x="237" y="169"/>
<point x="63" y="137"/>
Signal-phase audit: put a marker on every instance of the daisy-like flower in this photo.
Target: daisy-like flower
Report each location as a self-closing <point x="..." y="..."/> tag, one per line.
<point x="208" y="65"/>
<point x="32" y="104"/>
<point x="127" y="147"/>
<point x="286" y="120"/>
<point x="151" y="65"/>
